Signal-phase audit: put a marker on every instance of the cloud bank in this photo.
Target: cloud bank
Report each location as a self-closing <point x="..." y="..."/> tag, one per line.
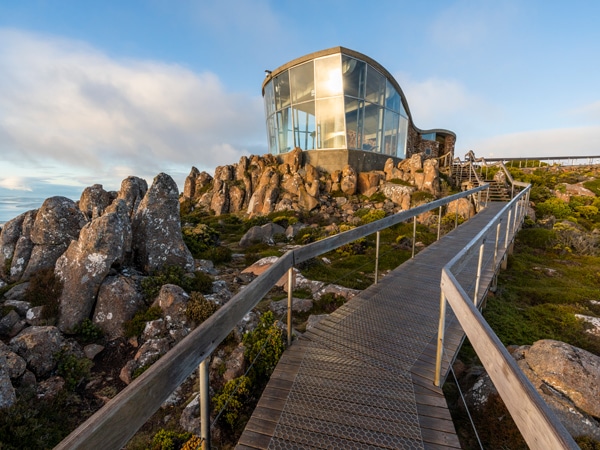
<point x="67" y="104"/>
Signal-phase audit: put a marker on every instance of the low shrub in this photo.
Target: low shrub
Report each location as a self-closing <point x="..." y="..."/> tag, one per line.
<point x="199" y="308"/>
<point x="263" y="347"/>
<point x="169" y="440"/>
<point x="74" y="370"/>
<point x="44" y="290"/>
<point x="231" y="400"/>
<point x="135" y="326"/>
<point x="87" y="332"/>
<point x="198" y="281"/>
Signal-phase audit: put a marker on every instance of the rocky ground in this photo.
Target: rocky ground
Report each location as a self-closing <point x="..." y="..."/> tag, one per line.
<point x="94" y="258"/>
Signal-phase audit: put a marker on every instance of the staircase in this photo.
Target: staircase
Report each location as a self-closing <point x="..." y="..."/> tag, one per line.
<point x="467" y="175"/>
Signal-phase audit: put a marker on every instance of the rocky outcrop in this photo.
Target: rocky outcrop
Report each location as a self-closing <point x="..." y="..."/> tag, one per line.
<point x="157" y="239"/>
<point x="57" y="223"/>
<point x="260" y="185"/>
<point x="83" y="267"/>
<point x="566" y="377"/>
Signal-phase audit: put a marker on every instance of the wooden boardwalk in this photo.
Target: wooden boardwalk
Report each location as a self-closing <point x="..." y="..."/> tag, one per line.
<point x="363" y="377"/>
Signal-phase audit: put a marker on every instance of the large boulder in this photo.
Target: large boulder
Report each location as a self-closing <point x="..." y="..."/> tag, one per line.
<point x="93" y="201"/>
<point x="9" y="235"/>
<point x="173" y="300"/>
<point x="348" y="182"/>
<point x="157" y="238"/>
<point x="57" y="223"/>
<point x="88" y="260"/>
<point x="264" y="233"/>
<point x="398" y="193"/>
<point x="39" y="347"/>
<point x="16" y="246"/>
<point x="133" y="190"/>
<point x="573" y="372"/>
<point x="566" y="377"/>
<point x="119" y="298"/>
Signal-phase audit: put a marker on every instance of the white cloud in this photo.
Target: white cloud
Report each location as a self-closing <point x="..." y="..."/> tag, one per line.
<point x="577" y="141"/>
<point x="15" y="183"/>
<point x="66" y="104"/>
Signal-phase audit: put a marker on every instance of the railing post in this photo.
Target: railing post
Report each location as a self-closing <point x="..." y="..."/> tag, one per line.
<point x="289" y="304"/>
<point x="414" y="235"/>
<point x="496" y="245"/>
<point x="439" y="223"/>
<point x="456" y="216"/>
<point x="507" y="230"/>
<point x="440" y="340"/>
<point x="377" y="237"/>
<point x="204" y="404"/>
<point x="478" y="279"/>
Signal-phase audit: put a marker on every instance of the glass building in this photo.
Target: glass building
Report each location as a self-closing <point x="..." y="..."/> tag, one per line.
<point x="337" y="99"/>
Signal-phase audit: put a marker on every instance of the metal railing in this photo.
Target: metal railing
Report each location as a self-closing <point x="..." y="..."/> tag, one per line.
<point x="112" y="426"/>
<point x="538" y="425"/>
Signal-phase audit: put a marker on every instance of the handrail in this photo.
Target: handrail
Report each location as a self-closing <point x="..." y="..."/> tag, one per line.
<point x="540" y="428"/>
<point x="112" y="426"/>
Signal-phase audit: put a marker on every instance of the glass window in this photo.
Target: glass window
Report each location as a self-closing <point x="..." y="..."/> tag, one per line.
<point x="375" y="89"/>
<point x="302" y="80"/>
<point x="428" y="136"/>
<point x="269" y="99"/>
<point x="304" y="125"/>
<point x="281" y="86"/>
<point x="373" y="124"/>
<point x="353" y="73"/>
<point x="328" y="74"/>
<point x="390" y="133"/>
<point x="330" y="123"/>
<point x="354" y="122"/>
<point x="392" y="98"/>
<point x="272" y="135"/>
<point x="402" y="133"/>
<point x="285" y="138"/>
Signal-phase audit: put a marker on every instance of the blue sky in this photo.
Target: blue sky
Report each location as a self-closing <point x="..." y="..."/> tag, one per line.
<point x="92" y="92"/>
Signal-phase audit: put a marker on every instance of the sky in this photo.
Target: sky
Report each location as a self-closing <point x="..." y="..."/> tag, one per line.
<point x="92" y="92"/>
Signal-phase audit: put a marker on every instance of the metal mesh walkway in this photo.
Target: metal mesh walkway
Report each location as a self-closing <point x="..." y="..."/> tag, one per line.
<point x="363" y="377"/>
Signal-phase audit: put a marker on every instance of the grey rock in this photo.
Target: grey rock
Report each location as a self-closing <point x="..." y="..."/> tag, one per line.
<point x="157" y="237"/>
<point x="133" y="190"/>
<point x="8" y="396"/>
<point x="13" y="363"/>
<point x="88" y="260"/>
<point x="20" y="306"/>
<point x="264" y="233"/>
<point x="57" y="223"/>
<point x="38" y="346"/>
<point x="279" y="308"/>
<point x="93" y="201"/>
<point x="119" y="298"/>
<point x="8" y="322"/>
<point x="92" y="350"/>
